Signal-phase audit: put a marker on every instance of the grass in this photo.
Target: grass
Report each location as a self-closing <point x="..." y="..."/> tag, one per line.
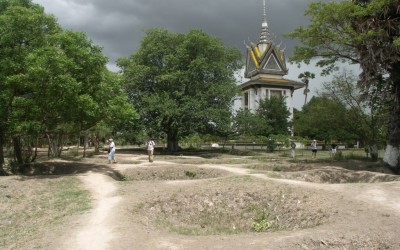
<point x="277" y="168"/>
<point x="29" y="206"/>
<point x="322" y="155"/>
<point x="190" y="174"/>
<point x="233" y="205"/>
<point x="203" y="159"/>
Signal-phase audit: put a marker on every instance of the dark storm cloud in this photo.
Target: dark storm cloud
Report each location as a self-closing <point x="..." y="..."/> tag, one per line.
<point x="118" y="25"/>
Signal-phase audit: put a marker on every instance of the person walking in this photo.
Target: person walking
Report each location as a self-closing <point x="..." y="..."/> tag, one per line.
<point x="334" y="147"/>
<point x="150" y="149"/>
<point x="292" y="149"/>
<point x="111" y="151"/>
<point x="314" y="149"/>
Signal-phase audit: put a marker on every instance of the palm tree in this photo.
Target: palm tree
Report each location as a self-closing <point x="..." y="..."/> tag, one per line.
<point x="305" y="78"/>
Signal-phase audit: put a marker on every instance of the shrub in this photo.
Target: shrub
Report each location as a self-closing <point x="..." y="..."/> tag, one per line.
<point x="339" y="156"/>
<point x="277" y="168"/>
<point x="190" y="174"/>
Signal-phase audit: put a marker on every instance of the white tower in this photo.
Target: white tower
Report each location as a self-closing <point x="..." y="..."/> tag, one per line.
<point x="265" y="69"/>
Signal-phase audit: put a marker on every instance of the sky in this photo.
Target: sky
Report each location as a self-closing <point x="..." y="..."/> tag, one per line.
<point x="117" y="26"/>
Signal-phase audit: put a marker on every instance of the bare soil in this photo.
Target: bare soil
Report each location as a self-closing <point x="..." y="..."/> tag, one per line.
<point x="219" y="201"/>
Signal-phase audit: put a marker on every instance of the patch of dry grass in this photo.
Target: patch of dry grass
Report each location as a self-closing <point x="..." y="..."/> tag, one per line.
<point x="168" y="172"/>
<point x="235" y="205"/>
<point x="30" y="206"/>
<point x="205" y="159"/>
<point x="331" y="174"/>
<point x="225" y="205"/>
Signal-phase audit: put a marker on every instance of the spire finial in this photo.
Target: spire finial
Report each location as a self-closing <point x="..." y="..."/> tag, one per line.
<point x="265" y="36"/>
<point x="265" y="9"/>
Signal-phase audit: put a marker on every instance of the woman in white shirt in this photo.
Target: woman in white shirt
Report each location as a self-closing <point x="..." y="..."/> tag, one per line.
<point x="150" y="149"/>
<point x="111" y="151"/>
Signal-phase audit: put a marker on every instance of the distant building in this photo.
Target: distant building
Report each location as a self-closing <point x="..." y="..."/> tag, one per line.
<point x="265" y="69"/>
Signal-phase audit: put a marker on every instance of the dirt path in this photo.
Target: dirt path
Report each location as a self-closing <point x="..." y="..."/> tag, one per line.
<point x="101" y="231"/>
<point x="385" y="195"/>
<point x="98" y="230"/>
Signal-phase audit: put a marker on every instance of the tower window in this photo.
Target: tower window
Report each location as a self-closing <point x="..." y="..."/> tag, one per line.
<point x="246" y="99"/>
<point x="276" y="93"/>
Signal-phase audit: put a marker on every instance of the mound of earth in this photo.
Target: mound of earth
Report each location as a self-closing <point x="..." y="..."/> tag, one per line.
<point x="336" y="175"/>
<point x="235" y="205"/>
<point x="172" y="173"/>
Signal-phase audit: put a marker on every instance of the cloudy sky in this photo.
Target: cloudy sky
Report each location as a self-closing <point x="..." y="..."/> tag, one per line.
<point x="118" y="25"/>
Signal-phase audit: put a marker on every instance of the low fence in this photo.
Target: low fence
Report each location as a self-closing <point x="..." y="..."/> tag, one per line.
<point x="254" y="146"/>
<point x="243" y="146"/>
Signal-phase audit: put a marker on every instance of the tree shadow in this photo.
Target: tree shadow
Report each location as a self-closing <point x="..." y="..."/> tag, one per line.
<point x="58" y="169"/>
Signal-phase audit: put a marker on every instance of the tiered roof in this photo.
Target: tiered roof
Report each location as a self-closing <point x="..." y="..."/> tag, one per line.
<point x="265" y="61"/>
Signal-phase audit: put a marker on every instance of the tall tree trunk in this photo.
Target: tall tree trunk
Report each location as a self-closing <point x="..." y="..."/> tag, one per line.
<point x="172" y="141"/>
<point x="96" y="143"/>
<point x="35" y="152"/>
<point x="17" y="149"/>
<point x="85" y="139"/>
<point x="392" y="152"/>
<point x="52" y="146"/>
<point x="373" y="151"/>
<point x="55" y="145"/>
<point x="2" y="171"/>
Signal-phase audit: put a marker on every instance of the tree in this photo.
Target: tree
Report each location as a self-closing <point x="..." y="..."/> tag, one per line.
<point x="305" y="77"/>
<point x="53" y="82"/>
<point x="322" y="119"/>
<point x="24" y="28"/>
<point x="364" y="32"/>
<point x="181" y="83"/>
<point x="248" y="124"/>
<point x="270" y="119"/>
<point x="275" y="114"/>
<point x="366" y="117"/>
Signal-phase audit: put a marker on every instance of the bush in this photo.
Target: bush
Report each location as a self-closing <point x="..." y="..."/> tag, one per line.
<point x="190" y="174"/>
<point x="271" y="145"/>
<point x="277" y="168"/>
<point x="338" y="156"/>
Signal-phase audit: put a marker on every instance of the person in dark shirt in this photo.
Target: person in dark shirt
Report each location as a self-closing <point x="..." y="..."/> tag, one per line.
<point x="314" y="149"/>
<point x="334" y="147"/>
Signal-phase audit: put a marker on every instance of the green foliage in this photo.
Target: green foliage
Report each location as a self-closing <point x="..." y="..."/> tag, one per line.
<point x="276" y="141"/>
<point x="397" y="42"/>
<point x="14" y="167"/>
<point x="181" y="83"/>
<point x="329" y="28"/>
<point x="190" y="174"/>
<point x="55" y="199"/>
<point x="271" y="145"/>
<point x="322" y="119"/>
<point x="262" y="225"/>
<point x="361" y="32"/>
<point x="305" y="76"/>
<point x="275" y="113"/>
<point x="248" y="124"/>
<point x="277" y="168"/>
<point x="339" y="156"/>
<point x="341" y="112"/>
<point x="53" y="81"/>
<point x="263" y="221"/>
<point x="365" y="116"/>
<point x="124" y="178"/>
<point x="272" y="117"/>
<point x="193" y="140"/>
